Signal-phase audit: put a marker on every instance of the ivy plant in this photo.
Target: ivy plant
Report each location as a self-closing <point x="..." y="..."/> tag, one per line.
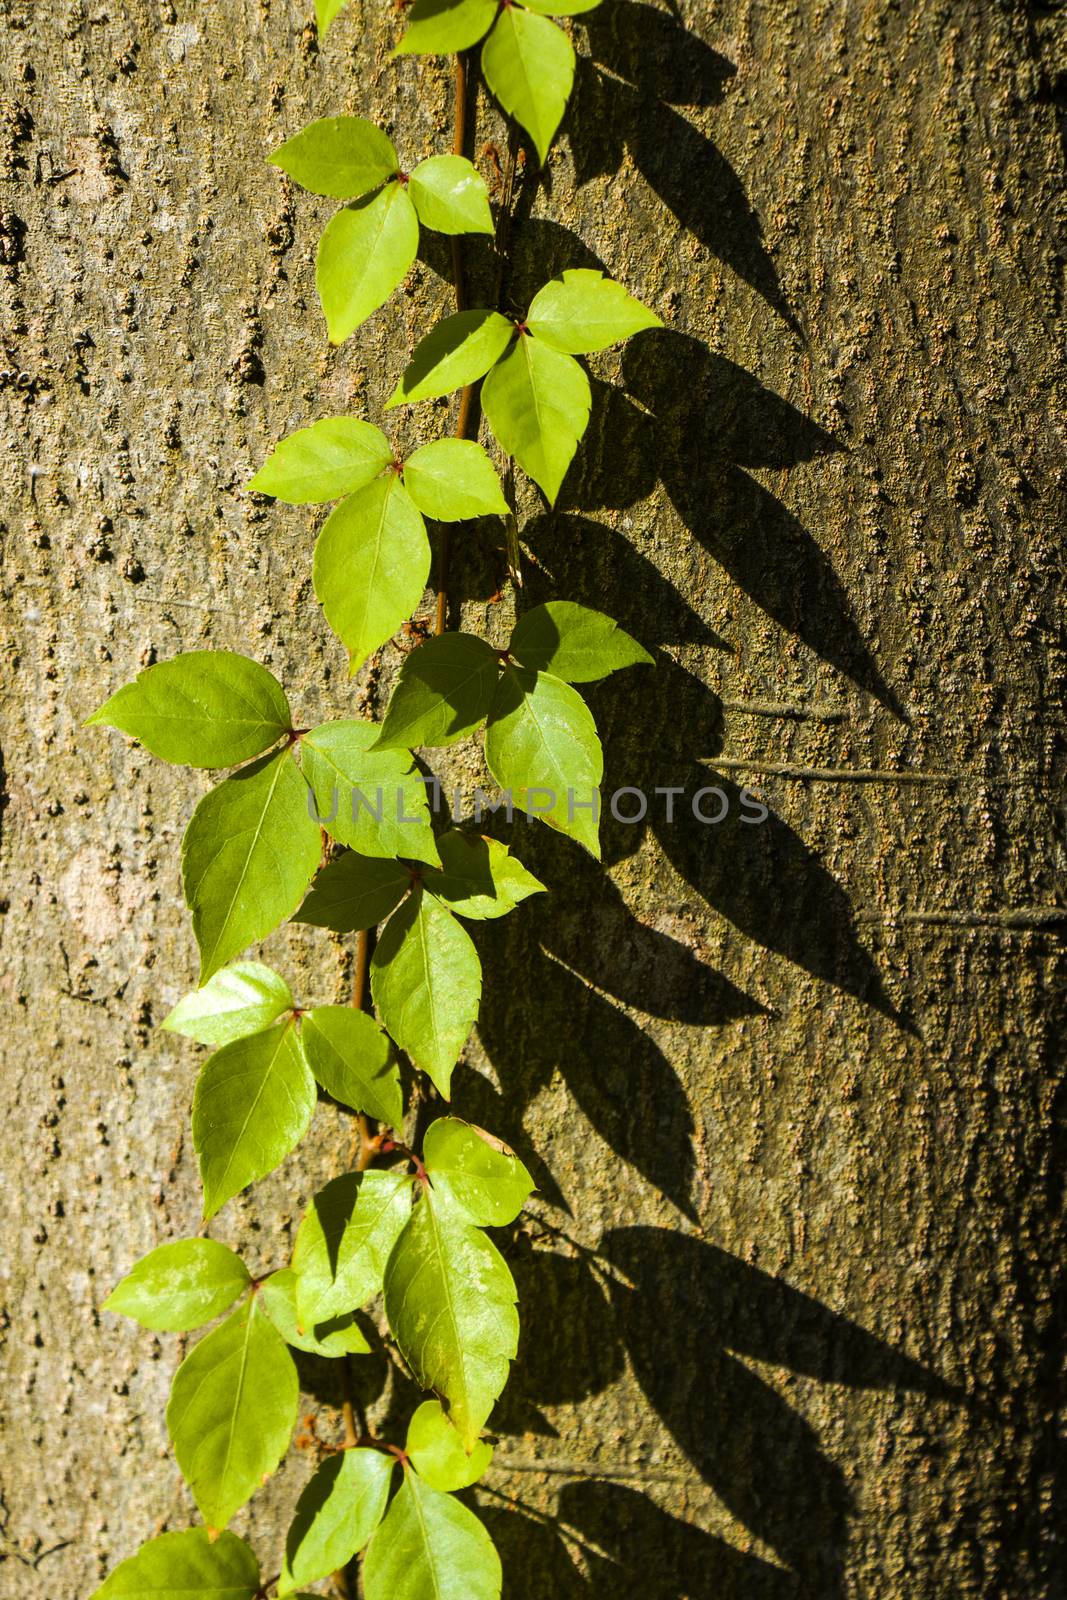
<point x="331" y="825"/>
<point x="536" y="396"/>
<point x="368" y="247"/>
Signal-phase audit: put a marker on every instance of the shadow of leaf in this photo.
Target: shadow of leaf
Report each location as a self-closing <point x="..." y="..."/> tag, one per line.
<point x="703" y="433"/>
<point x="575" y="554"/>
<point x="761" y="1458"/>
<point x="568" y="1346"/>
<point x="760" y="876"/>
<point x="642" y="63"/>
<point x="651" y="1555"/>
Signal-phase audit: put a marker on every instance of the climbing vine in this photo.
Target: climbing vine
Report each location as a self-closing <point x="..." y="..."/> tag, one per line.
<point x="332" y="825"/>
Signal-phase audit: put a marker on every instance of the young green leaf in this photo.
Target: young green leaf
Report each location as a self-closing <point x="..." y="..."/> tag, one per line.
<point x="430" y="1547"/>
<point x="336" y="1515"/>
<point x="529" y="65"/>
<point x="585" y="311"/>
<point x="181" y="1285"/>
<point x="458" y="351"/>
<point x="450" y="1302"/>
<point x="326" y="461"/>
<point x="326" y="10"/>
<point x="574" y="643"/>
<point x="337" y="1336"/>
<point x="344" y="1241"/>
<point x="436" y="1451"/>
<point x="206" y="708"/>
<point x="450" y="196"/>
<point x="426" y="980"/>
<point x="364" y="254"/>
<point x="479" y="877"/>
<point x="542" y="744"/>
<point x="371" y="564"/>
<point x="444" y="27"/>
<point x="248" y="855"/>
<point x="561" y="8"/>
<point x="355" y="892"/>
<point x="253" y="1103"/>
<point x="352" y="1059"/>
<point x="537" y="402"/>
<point x="231" y="1411"/>
<point x="370" y="799"/>
<point x="452" y="479"/>
<point x="443" y="693"/>
<point x="484" y="1178"/>
<point x="191" y="1565"/>
<point x="242" y="999"/>
<point x="344" y="157"/>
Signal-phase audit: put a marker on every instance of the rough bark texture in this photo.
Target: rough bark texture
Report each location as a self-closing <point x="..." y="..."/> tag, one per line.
<point x="789" y="1089"/>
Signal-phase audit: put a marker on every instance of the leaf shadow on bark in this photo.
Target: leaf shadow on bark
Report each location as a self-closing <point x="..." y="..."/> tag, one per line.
<point x="583" y="1314"/>
<point x="589" y="963"/>
<point x="698" y="437"/>
<point x="759" y="875"/>
<point x="569" y="1348"/>
<point x="642" y="600"/>
<point x="761" y="1457"/>
<point x="643" y="62"/>
<point x="614" y="1528"/>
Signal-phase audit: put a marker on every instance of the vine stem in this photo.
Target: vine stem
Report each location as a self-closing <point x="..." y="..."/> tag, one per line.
<point x="367" y="1143"/>
<point x="356" y="1426"/>
<point x="466" y="399"/>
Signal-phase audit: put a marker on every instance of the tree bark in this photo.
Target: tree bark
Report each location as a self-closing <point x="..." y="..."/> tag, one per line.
<point x="791" y="1310"/>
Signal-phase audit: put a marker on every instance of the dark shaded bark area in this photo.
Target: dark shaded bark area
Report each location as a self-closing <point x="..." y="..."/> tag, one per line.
<point x="791" y="1312"/>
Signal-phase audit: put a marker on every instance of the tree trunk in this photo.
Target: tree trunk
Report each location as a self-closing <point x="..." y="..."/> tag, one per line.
<point x="788" y="1087"/>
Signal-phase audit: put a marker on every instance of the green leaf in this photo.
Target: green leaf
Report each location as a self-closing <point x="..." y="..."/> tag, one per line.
<point x="444" y="27"/>
<point x="253" y="1103"/>
<point x="426" y="980"/>
<point x="180" y="1286"/>
<point x="452" y="479"/>
<point x="379" y="798"/>
<point x="436" y="1451"/>
<point x="207" y="708"/>
<point x="343" y="157"/>
<point x="450" y="1302"/>
<point x="336" y="1515"/>
<point x="430" y="1547"/>
<point x="364" y="254"/>
<point x="537" y="401"/>
<point x="337" y="1336"/>
<point x="179" y="1565"/>
<point x="330" y="459"/>
<point x="585" y="311"/>
<point x="458" y="351"/>
<point x="561" y="8"/>
<point x="355" y="892"/>
<point x="242" y="999"/>
<point x="231" y="1411"/>
<point x="444" y="692"/>
<point x="344" y="1241"/>
<point x="481" y="1174"/>
<point x="479" y="877"/>
<point x="372" y="561"/>
<point x="325" y="11"/>
<point x="248" y="855"/>
<point x="574" y="643"/>
<point x="542" y="744"/>
<point x="529" y="65"/>
<point x="351" y="1057"/>
<point x="450" y="196"/>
